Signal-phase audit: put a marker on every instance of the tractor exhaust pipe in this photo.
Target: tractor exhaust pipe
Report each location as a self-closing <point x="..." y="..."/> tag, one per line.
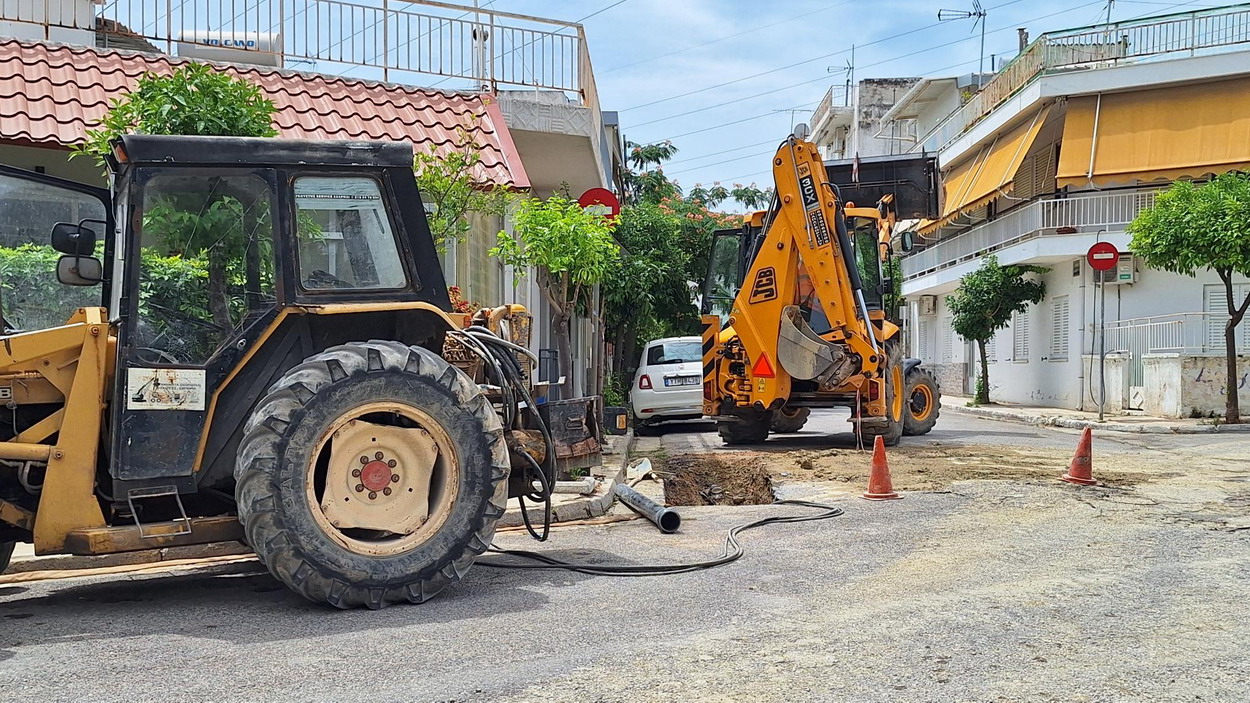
<point x="664" y="518"/>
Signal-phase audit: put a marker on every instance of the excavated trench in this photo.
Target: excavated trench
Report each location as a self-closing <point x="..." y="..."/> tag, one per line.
<point x="699" y="479"/>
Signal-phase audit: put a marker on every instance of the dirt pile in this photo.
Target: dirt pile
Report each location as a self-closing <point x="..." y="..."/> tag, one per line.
<point x="701" y="479"/>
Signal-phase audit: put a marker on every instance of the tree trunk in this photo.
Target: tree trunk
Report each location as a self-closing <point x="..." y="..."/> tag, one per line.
<point x="983" y="385"/>
<point x="1232" y="410"/>
<point x="218" y="290"/>
<point x="564" y="348"/>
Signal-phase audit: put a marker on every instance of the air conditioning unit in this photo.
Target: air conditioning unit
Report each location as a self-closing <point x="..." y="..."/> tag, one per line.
<point x="928" y="305"/>
<point x="1124" y="273"/>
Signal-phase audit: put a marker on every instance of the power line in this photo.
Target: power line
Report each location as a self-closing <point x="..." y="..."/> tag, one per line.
<point x="596" y="12"/>
<point x="718" y="163"/>
<point x="799" y="63"/>
<point x="816" y="80"/>
<point x="726" y="151"/>
<point x="752" y="30"/>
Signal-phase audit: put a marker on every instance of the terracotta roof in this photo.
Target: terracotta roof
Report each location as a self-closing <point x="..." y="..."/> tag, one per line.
<point x="50" y="94"/>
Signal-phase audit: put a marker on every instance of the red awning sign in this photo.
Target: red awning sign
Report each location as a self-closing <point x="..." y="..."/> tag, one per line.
<point x="600" y="201"/>
<point x="1103" y="256"/>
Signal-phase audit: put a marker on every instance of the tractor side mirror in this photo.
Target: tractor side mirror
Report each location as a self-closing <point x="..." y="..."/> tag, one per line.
<point x="73" y="239"/>
<point x="79" y="270"/>
<point x="905" y="241"/>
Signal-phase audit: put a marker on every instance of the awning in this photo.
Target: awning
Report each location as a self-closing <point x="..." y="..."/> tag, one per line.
<point x="1185" y="131"/>
<point x="974" y="182"/>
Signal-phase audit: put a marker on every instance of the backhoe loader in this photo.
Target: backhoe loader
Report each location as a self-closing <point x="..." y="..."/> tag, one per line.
<point x="302" y="386"/>
<point x="811" y="329"/>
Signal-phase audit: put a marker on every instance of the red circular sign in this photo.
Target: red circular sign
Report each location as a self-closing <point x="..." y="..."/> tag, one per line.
<point x="601" y="201"/>
<point x="1103" y="256"/>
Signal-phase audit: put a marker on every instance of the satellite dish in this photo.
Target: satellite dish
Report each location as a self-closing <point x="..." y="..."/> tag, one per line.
<point x="801" y="131"/>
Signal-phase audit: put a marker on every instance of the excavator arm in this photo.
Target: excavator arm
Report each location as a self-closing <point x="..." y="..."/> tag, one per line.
<point x="800" y="313"/>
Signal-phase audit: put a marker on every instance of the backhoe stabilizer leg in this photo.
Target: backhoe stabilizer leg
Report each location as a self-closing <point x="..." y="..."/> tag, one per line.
<point x="804" y="355"/>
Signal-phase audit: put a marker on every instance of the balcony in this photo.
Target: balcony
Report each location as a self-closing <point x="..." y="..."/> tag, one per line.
<point x="418" y="42"/>
<point x="1038" y="219"/>
<point x="1197" y="33"/>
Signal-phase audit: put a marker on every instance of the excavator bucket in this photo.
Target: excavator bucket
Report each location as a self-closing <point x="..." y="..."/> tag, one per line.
<point x="804" y="355"/>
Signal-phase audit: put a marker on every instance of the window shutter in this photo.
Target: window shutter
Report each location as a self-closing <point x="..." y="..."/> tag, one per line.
<point x="1215" y="304"/>
<point x="948" y="340"/>
<point x="1020" y="336"/>
<point x="922" y="331"/>
<point x="1060" y="325"/>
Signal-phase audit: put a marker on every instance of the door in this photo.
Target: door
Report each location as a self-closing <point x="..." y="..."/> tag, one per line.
<point x="31" y="204"/>
<point x="200" y="287"/>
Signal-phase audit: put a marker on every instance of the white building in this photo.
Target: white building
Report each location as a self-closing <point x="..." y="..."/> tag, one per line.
<point x="1061" y="149"/>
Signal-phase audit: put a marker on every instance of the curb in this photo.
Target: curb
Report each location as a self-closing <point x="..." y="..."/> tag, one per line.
<point x="1076" y="424"/>
<point x="589" y="507"/>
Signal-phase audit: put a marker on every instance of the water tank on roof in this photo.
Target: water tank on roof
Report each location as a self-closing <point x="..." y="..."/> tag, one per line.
<point x="258" y="48"/>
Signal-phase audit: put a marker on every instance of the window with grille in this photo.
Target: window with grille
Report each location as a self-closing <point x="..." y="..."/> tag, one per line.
<point x="1215" y="304"/>
<point x="1060" y="323"/>
<point x="1020" y="337"/>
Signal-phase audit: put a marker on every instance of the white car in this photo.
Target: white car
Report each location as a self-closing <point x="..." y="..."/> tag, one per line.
<point x="669" y="382"/>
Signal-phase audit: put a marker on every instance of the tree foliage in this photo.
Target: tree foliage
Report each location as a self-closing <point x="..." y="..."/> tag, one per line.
<point x="1196" y="227"/>
<point x="571" y="249"/>
<point x="195" y="99"/>
<point x="452" y="184"/>
<point x="986" y="300"/>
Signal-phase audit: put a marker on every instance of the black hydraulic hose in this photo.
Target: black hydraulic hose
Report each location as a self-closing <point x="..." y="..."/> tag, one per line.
<point x="733" y="550"/>
<point x="667" y="519"/>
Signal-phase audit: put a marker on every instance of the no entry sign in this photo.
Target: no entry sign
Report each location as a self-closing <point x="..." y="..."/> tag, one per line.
<point x="1103" y="256"/>
<point x="600" y="201"/>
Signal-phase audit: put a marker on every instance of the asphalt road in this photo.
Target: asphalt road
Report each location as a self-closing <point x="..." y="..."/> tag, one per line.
<point x="992" y="590"/>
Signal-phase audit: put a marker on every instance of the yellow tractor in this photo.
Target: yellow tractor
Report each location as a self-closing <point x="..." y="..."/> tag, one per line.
<point x="795" y="307"/>
<point x="304" y="387"/>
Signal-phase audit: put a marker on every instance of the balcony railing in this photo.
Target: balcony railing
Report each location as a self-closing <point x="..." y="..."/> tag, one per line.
<point x="1040" y="218"/>
<point x="420" y="42"/>
<point x="1203" y="32"/>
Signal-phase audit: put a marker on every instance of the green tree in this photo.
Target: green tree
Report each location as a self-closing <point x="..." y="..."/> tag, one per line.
<point x="1191" y="228"/>
<point x="571" y="249"/>
<point x="985" y="302"/>
<point x="198" y="100"/>
<point x="195" y="99"/>
<point x="453" y="186"/>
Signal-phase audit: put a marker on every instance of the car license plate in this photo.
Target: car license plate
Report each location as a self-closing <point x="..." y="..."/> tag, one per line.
<point x="683" y="381"/>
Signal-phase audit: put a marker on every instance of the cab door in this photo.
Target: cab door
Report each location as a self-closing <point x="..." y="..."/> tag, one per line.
<point x="31" y="204"/>
<point x="200" y="284"/>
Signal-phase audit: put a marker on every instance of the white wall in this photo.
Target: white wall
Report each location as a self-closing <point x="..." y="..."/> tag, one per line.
<point x="1044" y="376"/>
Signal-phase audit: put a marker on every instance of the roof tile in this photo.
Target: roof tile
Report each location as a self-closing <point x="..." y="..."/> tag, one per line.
<point x="51" y="94"/>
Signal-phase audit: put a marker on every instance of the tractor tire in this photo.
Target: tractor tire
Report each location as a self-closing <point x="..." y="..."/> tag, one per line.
<point x="750" y="427"/>
<point x="6" y="553"/>
<point x="924" y="402"/>
<point x="790" y="420"/>
<point x="288" y="489"/>
<point x="890" y="428"/>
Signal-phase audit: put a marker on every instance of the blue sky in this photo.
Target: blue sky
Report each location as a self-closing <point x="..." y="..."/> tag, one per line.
<point x="717" y="60"/>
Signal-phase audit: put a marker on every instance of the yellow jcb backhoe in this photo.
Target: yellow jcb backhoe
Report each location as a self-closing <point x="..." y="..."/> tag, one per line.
<point x="794" y="304"/>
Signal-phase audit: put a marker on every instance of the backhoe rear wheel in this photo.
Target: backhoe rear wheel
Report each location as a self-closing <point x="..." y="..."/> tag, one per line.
<point x="923" y="402"/>
<point x="790" y="420"/>
<point x="370" y="474"/>
<point x="749" y="426"/>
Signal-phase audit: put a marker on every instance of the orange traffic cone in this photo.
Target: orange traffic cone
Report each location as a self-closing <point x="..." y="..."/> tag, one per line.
<point x="1080" y="471"/>
<point x="879" y="486"/>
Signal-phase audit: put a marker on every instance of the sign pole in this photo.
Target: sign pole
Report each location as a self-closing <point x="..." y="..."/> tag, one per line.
<point x="1102" y="257"/>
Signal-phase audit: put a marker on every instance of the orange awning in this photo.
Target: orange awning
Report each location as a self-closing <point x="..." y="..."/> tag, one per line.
<point x="990" y="172"/>
<point x="1185" y="131"/>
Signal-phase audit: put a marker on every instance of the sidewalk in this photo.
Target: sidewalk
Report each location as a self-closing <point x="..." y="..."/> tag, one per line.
<point x="1079" y="420"/>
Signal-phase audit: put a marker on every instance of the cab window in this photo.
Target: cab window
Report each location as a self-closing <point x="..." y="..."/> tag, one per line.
<point x="345" y="236"/>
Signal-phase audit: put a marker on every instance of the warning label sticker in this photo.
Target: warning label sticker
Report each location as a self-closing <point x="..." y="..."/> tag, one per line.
<point x="820" y="229"/>
<point x="165" y="389"/>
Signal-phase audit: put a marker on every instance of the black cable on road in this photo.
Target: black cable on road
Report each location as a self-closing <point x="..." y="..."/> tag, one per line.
<point x="733" y="550"/>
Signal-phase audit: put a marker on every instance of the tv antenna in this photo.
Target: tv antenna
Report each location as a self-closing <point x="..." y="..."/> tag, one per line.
<point x="978" y="14"/>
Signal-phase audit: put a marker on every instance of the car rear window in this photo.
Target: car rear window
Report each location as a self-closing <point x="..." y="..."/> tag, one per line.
<point x="674" y="353"/>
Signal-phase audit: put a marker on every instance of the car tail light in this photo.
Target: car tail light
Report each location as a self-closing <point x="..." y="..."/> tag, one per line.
<point x="644" y="382"/>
